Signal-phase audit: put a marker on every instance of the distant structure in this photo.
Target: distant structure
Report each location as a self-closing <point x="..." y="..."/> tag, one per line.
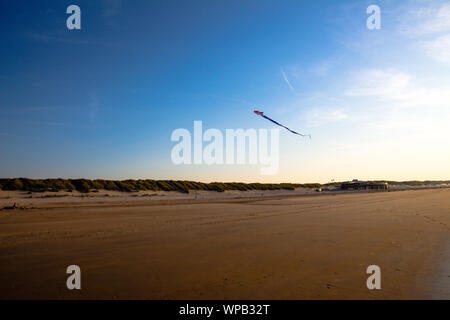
<point x="364" y="185"/>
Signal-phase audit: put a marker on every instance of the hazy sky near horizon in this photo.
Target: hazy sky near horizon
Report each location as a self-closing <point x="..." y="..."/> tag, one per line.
<point x="102" y="102"/>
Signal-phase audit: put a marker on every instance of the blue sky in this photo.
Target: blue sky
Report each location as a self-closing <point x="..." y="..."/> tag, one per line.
<point x="102" y="102"/>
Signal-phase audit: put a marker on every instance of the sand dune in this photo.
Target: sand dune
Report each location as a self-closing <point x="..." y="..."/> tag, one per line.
<point x="308" y="247"/>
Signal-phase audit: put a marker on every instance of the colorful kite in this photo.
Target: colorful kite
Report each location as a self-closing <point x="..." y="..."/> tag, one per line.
<point x="259" y="113"/>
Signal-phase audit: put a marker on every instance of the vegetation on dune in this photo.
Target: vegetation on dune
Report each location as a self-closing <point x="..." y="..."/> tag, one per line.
<point x="86" y="185"/>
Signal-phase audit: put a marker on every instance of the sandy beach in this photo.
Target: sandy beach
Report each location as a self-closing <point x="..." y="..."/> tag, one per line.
<point x="264" y="246"/>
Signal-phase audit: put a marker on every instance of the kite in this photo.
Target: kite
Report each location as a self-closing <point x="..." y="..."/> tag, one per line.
<point x="259" y="113"/>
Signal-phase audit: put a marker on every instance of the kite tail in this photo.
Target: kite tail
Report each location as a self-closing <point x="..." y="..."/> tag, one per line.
<point x="279" y="124"/>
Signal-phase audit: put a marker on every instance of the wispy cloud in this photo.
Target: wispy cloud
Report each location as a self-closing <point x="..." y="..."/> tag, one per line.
<point x="398" y="88"/>
<point x="320" y="117"/>
<point x="438" y="49"/>
<point x="403" y="104"/>
<point x="321" y="69"/>
<point x="376" y="82"/>
<point x="316" y="69"/>
<point x="425" y="20"/>
<point x="392" y="100"/>
<point x="287" y="80"/>
<point x="429" y="27"/>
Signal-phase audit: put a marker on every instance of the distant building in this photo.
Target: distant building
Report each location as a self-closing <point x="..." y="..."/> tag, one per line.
<point x="364" y="185"/>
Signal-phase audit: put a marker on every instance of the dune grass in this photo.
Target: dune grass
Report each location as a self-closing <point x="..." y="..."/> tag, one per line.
<point x="86" y="185"/>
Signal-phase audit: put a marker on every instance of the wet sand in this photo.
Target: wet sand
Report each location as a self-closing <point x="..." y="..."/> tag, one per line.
<point x="306" y="247"/>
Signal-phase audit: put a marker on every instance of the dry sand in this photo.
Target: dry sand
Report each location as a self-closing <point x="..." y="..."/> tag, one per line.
<point x="285" y="247"/>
